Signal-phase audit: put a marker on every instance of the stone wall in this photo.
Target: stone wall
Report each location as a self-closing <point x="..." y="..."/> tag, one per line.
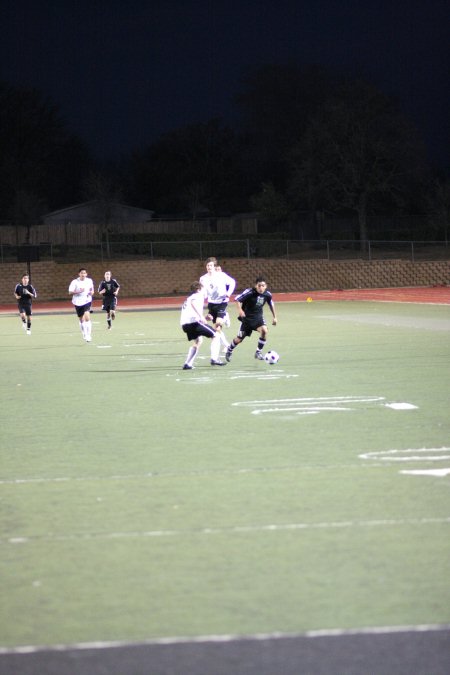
<point x="166" y="277"/>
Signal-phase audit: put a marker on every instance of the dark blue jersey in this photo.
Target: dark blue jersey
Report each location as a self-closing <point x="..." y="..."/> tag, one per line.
<point x="110" y="288"/>
<point x="252" y="302"/>
<point x="25" y="297"/>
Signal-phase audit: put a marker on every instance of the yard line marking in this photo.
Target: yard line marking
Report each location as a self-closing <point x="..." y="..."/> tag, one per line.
<point x="440" y="473"/>
<point x="272" y="374"/>
<point x="238" y="529"/>
<point x="313" y="406"/>
<point x="256" y="637"/>
<point x="182" y="474"/>
<point x="409" y="455"/>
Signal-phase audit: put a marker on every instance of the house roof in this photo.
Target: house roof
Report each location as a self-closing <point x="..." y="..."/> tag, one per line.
<point x="93" y="203"/>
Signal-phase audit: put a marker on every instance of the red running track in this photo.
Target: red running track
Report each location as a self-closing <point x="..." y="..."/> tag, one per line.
<point x="418" y="294"/>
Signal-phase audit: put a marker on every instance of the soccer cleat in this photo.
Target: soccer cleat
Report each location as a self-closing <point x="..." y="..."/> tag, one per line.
<point x="109" y="327"/>
<point x="28" y="331"/>
<point x="88" y="339"/>
<point x="217" y="363"/>
<point x="259" y="355"/>
<point x="228" y="355"/>
<point x="186" y="367"/>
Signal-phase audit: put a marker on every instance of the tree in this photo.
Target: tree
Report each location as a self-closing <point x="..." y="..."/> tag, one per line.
<point x="357" y="153"/>
<point x="193" y="166"/>
<point x="272" y="206"/>
<point x="38" y="155"/>
<point x="276" y="102"/>
<point x="105" y="192"/>
<point x="440" y="206"/>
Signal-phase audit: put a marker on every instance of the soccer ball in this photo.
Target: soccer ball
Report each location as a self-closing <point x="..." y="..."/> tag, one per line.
<point x="271" y="357"/>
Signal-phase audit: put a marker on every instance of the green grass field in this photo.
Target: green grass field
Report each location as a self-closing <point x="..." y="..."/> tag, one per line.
<point x="141" y="501"/>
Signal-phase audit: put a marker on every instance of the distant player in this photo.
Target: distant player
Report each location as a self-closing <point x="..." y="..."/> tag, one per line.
<point x="82" y="290"/>
<point x="109" y="289"/>
<point x="24" y="293"/>
<point x="218" y="287"/>
<point x="250" y="303"/>
<point x="193" y="323"/>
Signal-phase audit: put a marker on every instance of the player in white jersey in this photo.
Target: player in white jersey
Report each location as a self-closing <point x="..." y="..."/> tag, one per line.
<point x="194" y="325"/>
<point x="218" y="287"/>
<point x="82" y="290"/>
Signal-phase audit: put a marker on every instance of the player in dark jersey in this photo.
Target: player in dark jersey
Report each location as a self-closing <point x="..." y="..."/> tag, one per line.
<point x="24" y="293"/>
<point x="250" y="304"/>
<point x="109" y="288"/>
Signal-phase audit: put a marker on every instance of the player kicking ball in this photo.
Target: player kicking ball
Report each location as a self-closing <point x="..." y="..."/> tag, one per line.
<point x="193" y="323"/>
<point x="250" y="314"/>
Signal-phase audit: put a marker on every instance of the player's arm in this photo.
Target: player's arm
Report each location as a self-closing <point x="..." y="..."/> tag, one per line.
<point x="198" y="314"/>
<point x="230" y="285"/>
<point x="272" y="309"/>
<point x="241" y="313"/>
<point x="116" y="289"/>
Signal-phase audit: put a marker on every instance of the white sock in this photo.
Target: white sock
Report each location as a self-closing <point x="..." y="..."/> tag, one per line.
<point x="215" y="348"/>
<point x="88" y="328"/>
<point x="223" y="339"/>
<point x="192" y="353"/>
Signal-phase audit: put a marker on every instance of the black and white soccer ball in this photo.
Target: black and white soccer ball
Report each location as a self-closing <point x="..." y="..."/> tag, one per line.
<point x="271" y="357"/>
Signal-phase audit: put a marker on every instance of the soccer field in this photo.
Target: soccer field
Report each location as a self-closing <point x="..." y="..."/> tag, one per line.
<point x="140" y="501"/>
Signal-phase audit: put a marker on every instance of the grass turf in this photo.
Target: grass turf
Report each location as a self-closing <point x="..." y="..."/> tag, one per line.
<point x="141" y="501"/>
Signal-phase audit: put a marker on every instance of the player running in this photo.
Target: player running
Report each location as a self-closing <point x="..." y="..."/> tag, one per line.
<point x="250" y="304"/>
<point x="218" y="287"/>
<point x="24" y="293"/>
<point x="193" y="323"/>
<point x="109" y="289"/>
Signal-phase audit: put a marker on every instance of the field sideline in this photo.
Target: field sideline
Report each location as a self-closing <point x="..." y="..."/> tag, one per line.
<point x="413" y="294"/>
<point x="247" y="520"/>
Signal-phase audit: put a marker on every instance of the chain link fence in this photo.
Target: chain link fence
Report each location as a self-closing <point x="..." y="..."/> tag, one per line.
<point x="288" y="249"/>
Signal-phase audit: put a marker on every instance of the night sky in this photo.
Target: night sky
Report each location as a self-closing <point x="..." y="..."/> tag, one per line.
<point x="123" y="73"/>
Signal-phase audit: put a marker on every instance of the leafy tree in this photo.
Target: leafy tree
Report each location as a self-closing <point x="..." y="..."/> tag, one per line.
<point x="192" y="167"/>
<point x="439" y="207"/>
<point x="104" y="190"/>
<point x="38" y="155"/>
<point x="357" y="153"/>
<point x="271" y="205"/>
<point x="276" y="103"/>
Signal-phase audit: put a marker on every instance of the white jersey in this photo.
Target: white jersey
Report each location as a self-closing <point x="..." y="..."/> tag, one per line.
<point x="86" y="286"/>
<point x="192" y="309"/>
<point x="217" y="287"/>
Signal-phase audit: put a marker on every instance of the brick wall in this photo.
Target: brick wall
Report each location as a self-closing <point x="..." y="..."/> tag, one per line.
<point x="163" y="277"/>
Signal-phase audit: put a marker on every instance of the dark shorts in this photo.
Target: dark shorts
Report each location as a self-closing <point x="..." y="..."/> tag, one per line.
<point x="194" y="330"/>
<point x="249" y="325"/>
<point x="109" y="304"/>
<point x="82" y="309"/>
<point x="25" y="308"/>
<point x="217" y="309"/>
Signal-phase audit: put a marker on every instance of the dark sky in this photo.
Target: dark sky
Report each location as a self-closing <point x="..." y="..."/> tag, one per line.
<point x="123" y="72"/>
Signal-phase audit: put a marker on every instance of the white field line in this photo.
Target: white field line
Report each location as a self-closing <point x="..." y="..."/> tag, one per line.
<point x="408" y="455"/>
<point x="184" y="474"/>
<point x="239" y="529"/>
<point x="257" y="637"/>
<point x="313" y="406"/>
<point x="377" y="459"/>
<point x="438" y="473"/>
